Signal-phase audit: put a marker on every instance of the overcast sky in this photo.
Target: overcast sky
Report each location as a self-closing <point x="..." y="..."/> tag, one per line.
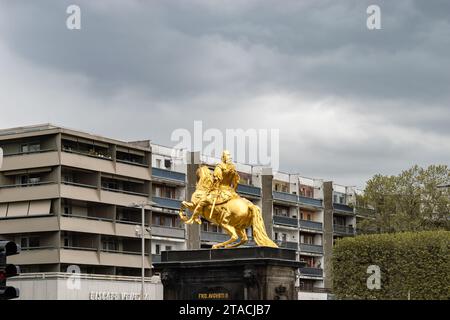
<point x="349" y="102"/>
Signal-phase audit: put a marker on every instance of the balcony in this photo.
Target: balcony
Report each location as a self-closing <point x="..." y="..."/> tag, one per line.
<point x="249" y="190"/>
<point x="87" y="224"/>
<point x="311" y="272"/>
<point x="310" y="225"/>
<point x="343" y="230"/>
<point x="286" y="221"/>
<point x="284" y="196"/>
<point x="123" y="259"/>
<point x="133" y="193"/>
<point x="169" y="232"/>
<point x="167" y="203"/>
<point x="25" y="225"/>
<point x="36" y="255"/>
<point x="213" y="236"/>
<point x="92" y="153"/>
<point x="25" y="160"/>
<point x="311" y="248"/>
<point x="342" y="208"/>
<point x="310" y="201"/>
<point x="168" y="175"/>
<point x="78" y="255"/>
<point x="27" y="192"/>
<point x="289" y="245"/>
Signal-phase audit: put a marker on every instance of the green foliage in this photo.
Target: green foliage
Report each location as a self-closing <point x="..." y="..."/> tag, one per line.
<point x="410" y="201"/>
<point x="414" y="263"/>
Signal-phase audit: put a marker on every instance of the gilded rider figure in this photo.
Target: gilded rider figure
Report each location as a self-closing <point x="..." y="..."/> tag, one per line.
<point x="223" y="189"/>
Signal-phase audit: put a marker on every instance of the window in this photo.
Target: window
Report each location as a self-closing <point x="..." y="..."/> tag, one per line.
<point x="157" y="249"/>
<point x="34" y="242"/>
<point x="276" y="235"/>
<point x="30" y="147"/>
<point x="67" y="209"/>
<point x="29" y="179"/>
<point x="156" y="220"/>
<point x="168" y="248"/>
<point x="110" y="244"/>
<point x="205" y="226"/>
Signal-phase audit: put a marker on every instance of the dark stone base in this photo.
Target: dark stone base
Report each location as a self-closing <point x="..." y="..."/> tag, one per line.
<point x="255" y="273"/>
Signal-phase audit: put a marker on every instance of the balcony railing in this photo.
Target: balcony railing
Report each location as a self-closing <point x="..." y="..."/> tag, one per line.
<point x="87" y="217"/>
<point x="133" y="163"/>
<point x="287" y="221"/>
<point x="284" y="196"/>
<point x="98" y="155"/>
<point x="122" y="251"/>
<point x="79" y="248"/>
<point x="167" y="203"/>
<point x="168" y="174"/>
<point x="170" y="232"/>
<point x="134" y="193"/>
<point x="213" y="236"/>
<point x="343" y="230"/>
<point x="313" y="225"/>
<point x="310" y="201"/>
<point x="76" y="184"/>
<point x="289" y="245"/>
<point x="342" y="207"/>
<point x="250" y="190"/>
<point x="311" y="272"/>
<point x="29" y="152"/>
<point x="24" y="185"/>
<point x="311" y="248"/>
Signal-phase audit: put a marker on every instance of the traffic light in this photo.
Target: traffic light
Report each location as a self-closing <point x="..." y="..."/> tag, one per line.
<point x="8" y="248"/>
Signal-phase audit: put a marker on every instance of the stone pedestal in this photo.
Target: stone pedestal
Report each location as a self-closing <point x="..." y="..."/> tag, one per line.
<point x="254" y="273"/>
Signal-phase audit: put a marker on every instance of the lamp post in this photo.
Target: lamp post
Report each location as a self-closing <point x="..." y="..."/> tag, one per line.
<point x="143" y="206"/>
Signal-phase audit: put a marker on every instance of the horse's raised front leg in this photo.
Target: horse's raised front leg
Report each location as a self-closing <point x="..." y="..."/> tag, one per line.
<point x="185" y="205"/>
<point x="232" y="232"/>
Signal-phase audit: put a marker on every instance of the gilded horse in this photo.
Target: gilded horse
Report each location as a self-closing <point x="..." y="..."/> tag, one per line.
<point x="234" y="216"/>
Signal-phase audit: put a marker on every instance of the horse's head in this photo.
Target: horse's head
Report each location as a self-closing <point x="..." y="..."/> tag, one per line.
<point x="205" y="178"/>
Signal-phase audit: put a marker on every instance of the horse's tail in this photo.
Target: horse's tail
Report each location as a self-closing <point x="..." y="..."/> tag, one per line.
<point x="259" y="230"/>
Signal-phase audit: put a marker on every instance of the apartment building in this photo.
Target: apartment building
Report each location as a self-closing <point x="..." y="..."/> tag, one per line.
<point x="68" y="198"/>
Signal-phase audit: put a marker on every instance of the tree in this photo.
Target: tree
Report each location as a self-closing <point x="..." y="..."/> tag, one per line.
<point x="414" y="200"/>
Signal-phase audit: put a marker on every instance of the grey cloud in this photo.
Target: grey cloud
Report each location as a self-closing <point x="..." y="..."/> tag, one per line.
<point x="162" y="64"/>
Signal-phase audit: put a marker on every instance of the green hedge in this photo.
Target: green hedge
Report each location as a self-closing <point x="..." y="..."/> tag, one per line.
<point x="410" y="262"/>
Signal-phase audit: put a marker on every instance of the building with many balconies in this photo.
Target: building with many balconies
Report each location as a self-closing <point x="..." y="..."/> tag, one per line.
<point x="68" y="198"/>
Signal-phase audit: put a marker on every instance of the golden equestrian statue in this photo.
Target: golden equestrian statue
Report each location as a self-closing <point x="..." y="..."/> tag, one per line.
<point x="216" y="200"/>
